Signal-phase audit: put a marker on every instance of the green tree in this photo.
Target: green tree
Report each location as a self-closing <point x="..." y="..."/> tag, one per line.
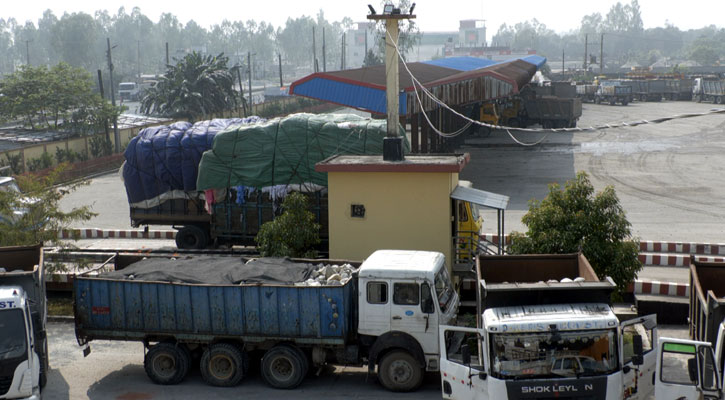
<point x="292" y="234"/>
<point x="576" y="219"/>
<point x="40" y="218"/>
<point x="196" y="86"/>
<point x="409" y="32"/>
<point x="371" y="59"/>
<point x="59" y="98"/>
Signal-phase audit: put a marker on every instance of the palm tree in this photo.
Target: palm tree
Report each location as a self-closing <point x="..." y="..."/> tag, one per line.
<point x="196" y="86"/>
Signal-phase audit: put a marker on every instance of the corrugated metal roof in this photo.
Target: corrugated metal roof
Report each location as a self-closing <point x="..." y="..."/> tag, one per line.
<point x="364" y="88"/>
<point x="496" y="81"/>
<point x="462" y="63"/>
<point x="480" y="197"/>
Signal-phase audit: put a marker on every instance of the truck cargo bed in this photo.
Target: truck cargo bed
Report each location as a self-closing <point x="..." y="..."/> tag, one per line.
<point x="123" y="309"/>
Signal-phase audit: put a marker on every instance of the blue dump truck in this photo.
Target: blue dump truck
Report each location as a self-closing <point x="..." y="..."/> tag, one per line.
<point x="296" y="314"/>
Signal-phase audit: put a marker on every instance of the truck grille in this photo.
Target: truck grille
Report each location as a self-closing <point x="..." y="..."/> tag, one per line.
<point x="5" y="382"/>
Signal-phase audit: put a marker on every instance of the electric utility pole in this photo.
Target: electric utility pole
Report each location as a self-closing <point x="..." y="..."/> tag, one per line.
<point x="393" y="143"/>
<point x="116" y="136"/>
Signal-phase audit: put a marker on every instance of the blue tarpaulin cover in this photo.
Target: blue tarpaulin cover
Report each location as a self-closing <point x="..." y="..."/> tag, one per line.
<point x="162" y="161"/>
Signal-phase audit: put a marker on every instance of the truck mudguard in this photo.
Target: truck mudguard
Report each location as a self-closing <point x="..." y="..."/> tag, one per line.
<point x="395" y="340"/>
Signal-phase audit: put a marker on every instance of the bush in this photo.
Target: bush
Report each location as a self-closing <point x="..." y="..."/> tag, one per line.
<point x="100" y="146"/>
<point x="292" y="234"/>
<point x="37" y="164"/>
<point x="576" y="219"/>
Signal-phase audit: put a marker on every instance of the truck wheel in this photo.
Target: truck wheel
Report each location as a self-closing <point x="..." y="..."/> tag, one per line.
<point x="400" y="372"/>
<point x="625" y="102"/>
<point x="612" y="101"/>
<point x="166" y="364"/>
<point x="284" y="367"/>
<point x="191" y="237"/>
<point x="222" y="364"/>
<point x="718" y="100"/>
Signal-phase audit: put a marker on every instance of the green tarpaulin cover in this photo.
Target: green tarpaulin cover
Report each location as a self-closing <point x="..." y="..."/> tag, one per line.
<point x="284" y="151"/>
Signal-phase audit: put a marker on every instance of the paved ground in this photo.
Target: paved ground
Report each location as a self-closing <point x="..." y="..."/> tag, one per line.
<point x="114" y="371"/>
<point x="669" y="177"/>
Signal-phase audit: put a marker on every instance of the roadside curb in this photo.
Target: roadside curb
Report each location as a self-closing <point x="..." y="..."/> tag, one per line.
<point x="671" y="289"/>
<point x="60" y="318"/>
<point x="674" y="260"/>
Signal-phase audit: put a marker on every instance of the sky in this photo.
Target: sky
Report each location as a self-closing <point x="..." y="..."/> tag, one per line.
<point x="432" y="15"/>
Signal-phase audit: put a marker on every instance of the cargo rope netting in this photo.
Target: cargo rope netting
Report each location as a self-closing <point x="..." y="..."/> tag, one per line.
<point x="508" y="129"/>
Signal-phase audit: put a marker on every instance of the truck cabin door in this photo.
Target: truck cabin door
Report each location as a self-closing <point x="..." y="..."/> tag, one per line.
<point x="413" y="311"/>
<point x="638" y="380"/>
<point x="686" y="369"/>
<point x="463" y="358"/>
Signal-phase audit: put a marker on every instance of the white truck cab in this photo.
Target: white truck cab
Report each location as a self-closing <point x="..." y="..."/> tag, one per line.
<point x="19" y="362"/>
<point x="548" y="351"/>
<point x="403" y="298"/>
<point x="690" y="369"/>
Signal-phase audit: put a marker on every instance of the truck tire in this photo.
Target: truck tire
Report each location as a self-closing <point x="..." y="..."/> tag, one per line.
<point x="625" y="102"/>
<point x="166" y="364"/>
<point x="718" y="100"/>
<point x="223" y="364"/>
<point x="612" y="101"/>
<point x="284" y="367"/>
<point x="400" y="372"/>
<point x="191" y="237"/>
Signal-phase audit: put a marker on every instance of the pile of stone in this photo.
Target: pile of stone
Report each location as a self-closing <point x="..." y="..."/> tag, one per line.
<point x="329" y="275"/>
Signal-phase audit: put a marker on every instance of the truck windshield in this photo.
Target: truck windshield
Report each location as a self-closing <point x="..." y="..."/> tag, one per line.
<point x="554" y="354"/>
<point x="444" y="289"/>
<point x="12" y="334"/>
<point x="126" y="86"/>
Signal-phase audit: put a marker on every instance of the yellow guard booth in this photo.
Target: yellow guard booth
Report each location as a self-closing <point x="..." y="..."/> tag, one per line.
<point x="375" y="204"/>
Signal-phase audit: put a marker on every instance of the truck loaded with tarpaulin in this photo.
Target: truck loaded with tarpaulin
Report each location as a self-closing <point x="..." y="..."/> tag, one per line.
<point x="218" y="181"/>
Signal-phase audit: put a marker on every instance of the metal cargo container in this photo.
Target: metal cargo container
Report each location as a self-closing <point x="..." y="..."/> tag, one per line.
<point x="120" y="309"/>
<point x="707" y="299"/>
<point x="553" y="112"/>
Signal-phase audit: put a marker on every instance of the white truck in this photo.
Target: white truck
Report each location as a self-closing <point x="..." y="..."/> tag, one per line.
<point x="690" y="369"/>
<point x="545" y="329"/>
<point x="128" y="91"/>
<point x="23" y="341"/>
<point x="385" y="316"/>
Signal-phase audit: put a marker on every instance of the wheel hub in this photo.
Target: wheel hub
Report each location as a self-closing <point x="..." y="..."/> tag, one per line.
<point x="400" y="371"/>
<point x="221" y="366"/>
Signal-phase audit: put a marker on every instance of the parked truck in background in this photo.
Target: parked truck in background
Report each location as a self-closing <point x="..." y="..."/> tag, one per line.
<point x="712" y="90"/>
<point x="23" y="338"/>
<point x="678" y="89"/>
<point x="546" y="329"/>
<point x="128" y="91"/>
<point x="266" y="161"/>
<point x="554" y="106"/>
<point x="385" y="317"/>
<point x="586" y="92"/>
<point x="613" y="92"/>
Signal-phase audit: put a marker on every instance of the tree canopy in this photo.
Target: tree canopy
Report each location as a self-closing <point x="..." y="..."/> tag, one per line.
<point x="196" y="86"/>
<point x="293" y="234"/>
<point x="38" y="216"/>
<point x="578" y="219"/>
<point x="58" y="98"/>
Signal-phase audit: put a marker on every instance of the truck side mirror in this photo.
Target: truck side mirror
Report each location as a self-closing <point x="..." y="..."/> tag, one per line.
<point x="692" y="369"/>
<point x="638" y="357"/>
<point x="466" y="354"/>
<point x="426" y="304"/>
